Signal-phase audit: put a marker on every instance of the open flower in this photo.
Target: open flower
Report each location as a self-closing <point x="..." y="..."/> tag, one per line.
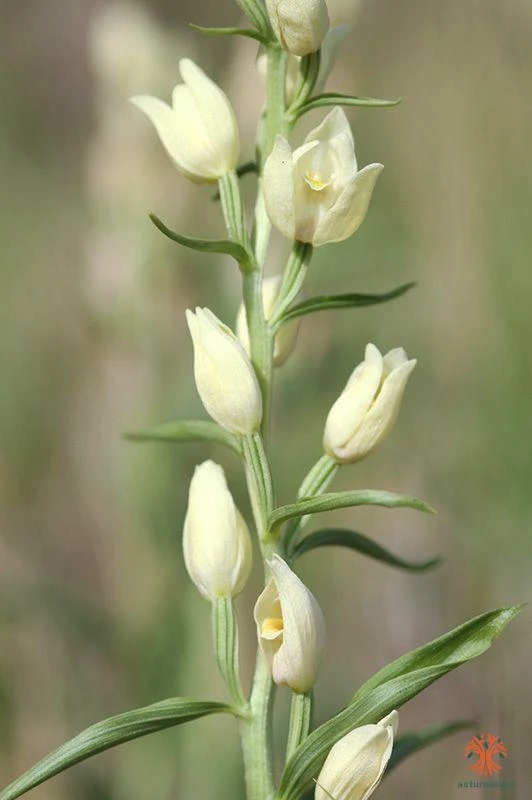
<point x="299" y="25"/>
<point x="199" y="129"/>
<point x="216" y="541"/>
<point x="290" y="628"/>
<point x="225" y="378"/>
<point x="285" y="339"/>
<point x="367" y="409"/>
<point x="355" y="765"/>
<point x="316" y="194"/>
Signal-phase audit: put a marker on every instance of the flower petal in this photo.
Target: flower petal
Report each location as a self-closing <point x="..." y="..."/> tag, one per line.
<point x="278" y="187"/>
<point x="297" y="661"/>
<point x="349" y="210"/>
<point x="216" y="114"/>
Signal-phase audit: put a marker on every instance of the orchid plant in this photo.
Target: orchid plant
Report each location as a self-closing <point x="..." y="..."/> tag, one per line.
<point x="314" y="195"/>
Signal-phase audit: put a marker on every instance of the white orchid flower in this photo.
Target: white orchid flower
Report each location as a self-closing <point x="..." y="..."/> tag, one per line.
<point x="199" y="129"/>
<point x="367" y="409"/>
<point x="316" y="194"/>
<point x="290" y="628"/>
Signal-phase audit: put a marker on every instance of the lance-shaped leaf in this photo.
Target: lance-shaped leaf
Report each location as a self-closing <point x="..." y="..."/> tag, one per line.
<point x="334" y="500"/>
<point x="251" y="33"/>
<point x="339" y="537"/>
<point x="333" y="99"/>
<point x="390" y="688"/>
<point x="409" y="743"/>
<point x="225" y="246"/>
<point x="111" y="732"/>
<point x="339" y="301"/>
<point x="188" y="430"/>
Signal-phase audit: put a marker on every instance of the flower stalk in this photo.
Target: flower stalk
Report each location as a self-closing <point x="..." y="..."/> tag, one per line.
<point x="225" y="639"/>
<point x="300" y="719"/>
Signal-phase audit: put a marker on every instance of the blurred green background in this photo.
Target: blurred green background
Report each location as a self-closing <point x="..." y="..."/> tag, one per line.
<point x="96" y="614"/>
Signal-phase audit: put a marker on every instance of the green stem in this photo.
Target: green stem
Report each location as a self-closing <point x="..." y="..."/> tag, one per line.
<point x="256" y="730"/>
<point x="256" y="735"/>
<point x="225" y="636"/>
<point x="293" y="278"/>
<point x="314" y="484"/>
<point x="300" y="719"/>
<point x="275" y="123"/>
<point x="259" y="479"/>
<point x="261" y="339"/>
<point x="308" y="75"/>
<point x="233" y="209"/>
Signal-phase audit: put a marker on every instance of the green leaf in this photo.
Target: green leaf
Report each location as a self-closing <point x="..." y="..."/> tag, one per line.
<point x="111" y="732"/>
<point x="187" y="430"/>
<point x="409" y="743"/>
<point x="339" y="537"/>
<point x="333" y="500"/>
<point x="456" y="647"/>
<point x="225" y="246"/>
<point x="337" y="301"/>
<point x="251" y="33"/>
<point x="332" y="99"/>
<point x="390" y="688"/>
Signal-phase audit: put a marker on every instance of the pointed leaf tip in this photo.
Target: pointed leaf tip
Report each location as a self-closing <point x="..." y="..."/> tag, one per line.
<point x="224" y="246"/>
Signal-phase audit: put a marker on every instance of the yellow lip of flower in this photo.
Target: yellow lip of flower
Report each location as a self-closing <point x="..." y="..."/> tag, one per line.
<point x="272" y="627"/>
<point x="290" y="628"/>
<point x="316" y="182"/>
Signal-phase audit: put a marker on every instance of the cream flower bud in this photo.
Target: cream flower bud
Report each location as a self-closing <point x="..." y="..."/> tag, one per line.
<point x="216" y="541"/>
<point x="199" y="129"/>
<point x="225" y="378"/>
<point x="316" y="194"/>
<point x="290" y="628"/>
<point x="299" y="25"/>
<point x="355" y="765"/>
<point x="368" y="407"/>
<point x="285" y="340"/>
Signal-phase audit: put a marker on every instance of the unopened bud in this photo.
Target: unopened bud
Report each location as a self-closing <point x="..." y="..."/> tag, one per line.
<point x="225" y="377"/>
<point x="216" y="541"/>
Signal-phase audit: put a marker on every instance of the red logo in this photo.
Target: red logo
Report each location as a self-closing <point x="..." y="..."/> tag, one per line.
<point x="487" y="751"/>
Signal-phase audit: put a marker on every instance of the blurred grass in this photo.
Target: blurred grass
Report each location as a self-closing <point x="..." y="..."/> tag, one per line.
<point x="95" y="613"/>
